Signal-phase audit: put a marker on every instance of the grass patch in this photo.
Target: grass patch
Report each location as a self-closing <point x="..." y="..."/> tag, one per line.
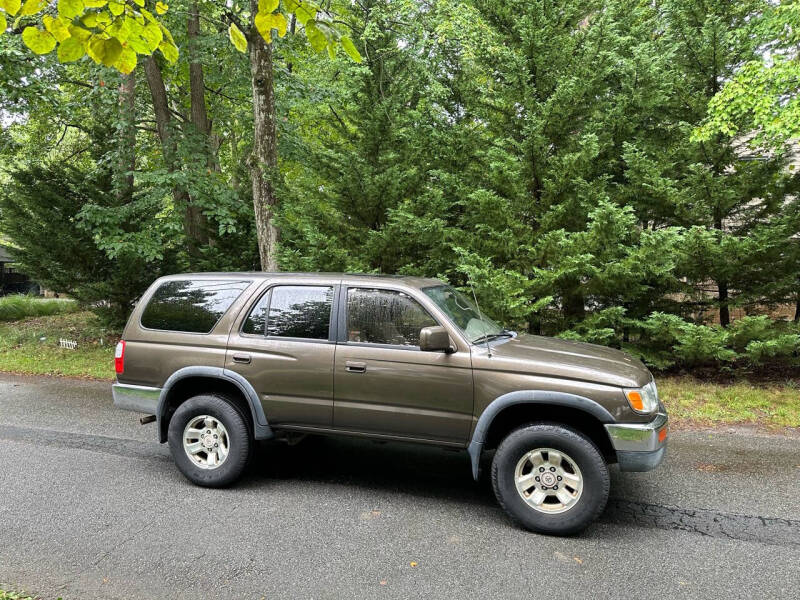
<point x="14" y="596"/>
<point x="31" y="346"/>
<point x="690" y="401"/>
<point x="18" y="306"/>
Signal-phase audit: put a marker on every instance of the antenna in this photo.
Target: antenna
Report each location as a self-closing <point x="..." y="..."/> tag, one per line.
<point x="480" y="316"/>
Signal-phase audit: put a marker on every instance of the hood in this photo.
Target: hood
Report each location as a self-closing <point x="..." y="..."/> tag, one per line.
<point x="553" y="357"/>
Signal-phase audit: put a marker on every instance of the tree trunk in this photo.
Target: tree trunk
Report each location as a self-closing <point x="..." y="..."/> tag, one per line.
<point x="264" y="161"/>
<point x="126" y="161"/>
<point x="158" y="92"/>
<point x="797" y="309"/>
<point x="724" y="312"/>
<point x="196" y="225"/>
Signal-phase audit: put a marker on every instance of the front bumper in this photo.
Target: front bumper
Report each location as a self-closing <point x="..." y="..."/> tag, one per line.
<point x="138" y="398"/>
<point x="639" y="446"/>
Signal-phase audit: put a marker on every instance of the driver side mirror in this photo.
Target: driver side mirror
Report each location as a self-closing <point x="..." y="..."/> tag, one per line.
<point x="435" y="339"/>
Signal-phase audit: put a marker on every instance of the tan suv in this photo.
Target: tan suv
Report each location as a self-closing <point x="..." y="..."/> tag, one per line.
<point x="224" y="359"/>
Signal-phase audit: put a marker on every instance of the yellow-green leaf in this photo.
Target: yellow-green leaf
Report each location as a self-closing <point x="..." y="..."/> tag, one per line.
<point x="315" y="37"/>
<point x="267" y="6"/>
<point x="71" y="49"/>
<point x="31" y="7"/>
<point x="126" y="61"/>
<point x="116" y="8"/>
<point x="152" y="35"/>
<point x="89" y="19"/>
<point x="167" y="35"/>
<point x="56" y="28"/>
<point x="38" y="40"/>
<point x="70" y="8"/>
<point x="79" y="33"/>
<point x="10" y="6"/>
<point x="237" y="38"/>
<point x="265" y="23"/>
<point x="161" y="8"/>
<point x="331" y="50"/>
<point x="148" y="15"/>
<point x="3" y="23"/>
<point x="302" y="10"/>
<point x="350" y="48"/>
<point x="104" y="51"/>
<point x="169" y="50"/>
<point x="139" y="2"/>
<point x="95" y="3"/>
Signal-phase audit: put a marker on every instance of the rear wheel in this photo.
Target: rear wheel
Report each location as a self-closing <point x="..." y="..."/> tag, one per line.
<point x="209" y="440"/>
<point x="550" y="478"/>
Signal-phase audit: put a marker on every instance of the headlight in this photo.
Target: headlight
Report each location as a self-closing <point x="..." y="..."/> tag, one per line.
<point x="643" y="400"/>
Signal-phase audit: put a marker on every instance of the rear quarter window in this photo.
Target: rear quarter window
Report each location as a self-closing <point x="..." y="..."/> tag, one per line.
<point x="192" y="306"/>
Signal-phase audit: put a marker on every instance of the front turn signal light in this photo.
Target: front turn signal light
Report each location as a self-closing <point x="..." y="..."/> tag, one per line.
<point x="643" y="399"/>
<point x="635" y="400"/>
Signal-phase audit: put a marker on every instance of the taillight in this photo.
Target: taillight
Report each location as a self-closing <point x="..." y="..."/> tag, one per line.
<point x="119" y="357"/>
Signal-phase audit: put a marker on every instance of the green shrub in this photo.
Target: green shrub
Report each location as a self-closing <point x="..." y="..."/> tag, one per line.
<point x="664" y="341"/>
<point x="16" y="307"/>
<point x="702" y="345"/>
<point x="784" y="348"/>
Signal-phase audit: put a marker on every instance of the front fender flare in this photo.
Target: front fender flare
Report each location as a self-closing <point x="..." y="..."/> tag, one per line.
<point x="261" y="428"/>
<point x="528" y="397"/>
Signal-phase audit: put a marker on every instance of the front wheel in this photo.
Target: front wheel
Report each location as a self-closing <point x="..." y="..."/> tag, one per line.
<point x="550" y="479"/>
<point x="209" y="440"/>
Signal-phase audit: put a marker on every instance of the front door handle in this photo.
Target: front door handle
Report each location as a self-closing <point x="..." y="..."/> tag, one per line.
<point x="355" y="367"/>
<point x="242" y="359"/>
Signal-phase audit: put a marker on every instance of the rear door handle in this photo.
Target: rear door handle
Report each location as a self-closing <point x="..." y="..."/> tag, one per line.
<point x="243" y="359"/>
<point x="355" y="367"/>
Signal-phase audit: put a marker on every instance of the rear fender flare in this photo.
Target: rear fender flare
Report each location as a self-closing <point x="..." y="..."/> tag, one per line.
<point x="261" y="428"/>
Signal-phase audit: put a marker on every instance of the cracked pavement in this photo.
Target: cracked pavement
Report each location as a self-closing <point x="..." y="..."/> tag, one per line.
<point x="92" y="507"/>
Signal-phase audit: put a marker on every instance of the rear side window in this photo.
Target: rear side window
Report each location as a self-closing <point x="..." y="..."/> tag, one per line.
<point x="295" y="311"/>
<point x="190" y="306"/>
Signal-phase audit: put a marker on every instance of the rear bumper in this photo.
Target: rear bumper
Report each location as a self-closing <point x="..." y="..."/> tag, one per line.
<point x="639" y="446"/>
<point x="138" y="398"/>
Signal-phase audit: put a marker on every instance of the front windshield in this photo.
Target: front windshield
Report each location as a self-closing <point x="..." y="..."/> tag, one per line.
<point x="462" y="312"/>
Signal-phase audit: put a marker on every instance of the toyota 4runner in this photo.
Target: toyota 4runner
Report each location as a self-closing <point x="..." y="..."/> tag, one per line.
<point x="220" y="360"/>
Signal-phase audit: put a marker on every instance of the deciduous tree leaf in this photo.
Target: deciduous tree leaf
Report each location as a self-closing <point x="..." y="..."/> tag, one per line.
<point x="127" y="60"/>
<point x="267" y="6"/>
<point x="71" y="49"/>
<point x="38" y="40"/>
<point x="95" y="3"/>
<point x="10" y="6"/>
<point x="70" y="8"/>
<point x="3" y="23"/>
<point x="315" y="37"/>
<point x="56" y="28"/>
<point x="161" y="8"/>
<point x="302" y="10"/>
<point x="237" y="38"/>
<point x="152" y="35"/>
<point x="350" y="49"/>
<point x="169" y="50"/>
<point x="31" y="7"/>
<point x="116" y="8"/>
<point x="265" y="23"/>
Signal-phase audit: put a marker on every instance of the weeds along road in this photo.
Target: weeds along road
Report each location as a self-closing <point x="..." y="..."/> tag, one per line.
<point x="91" y="506"/>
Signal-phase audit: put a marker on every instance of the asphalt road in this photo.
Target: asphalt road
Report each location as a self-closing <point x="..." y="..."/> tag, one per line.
<point x="92" y="507"/>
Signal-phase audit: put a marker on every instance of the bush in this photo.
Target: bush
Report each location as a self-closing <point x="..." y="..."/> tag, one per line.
<point x="665" y="341"/>
<point x="18" y="306"/>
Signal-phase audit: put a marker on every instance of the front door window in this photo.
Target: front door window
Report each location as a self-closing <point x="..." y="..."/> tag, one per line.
<point x="376" y="316"/>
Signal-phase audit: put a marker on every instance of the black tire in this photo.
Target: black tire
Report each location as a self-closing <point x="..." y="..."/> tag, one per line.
<point x="240" y="442"/>
<point x="580" y="449"/>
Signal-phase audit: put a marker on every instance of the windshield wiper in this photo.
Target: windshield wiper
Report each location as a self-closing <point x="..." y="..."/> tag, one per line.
<point x="493" y="336"/>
